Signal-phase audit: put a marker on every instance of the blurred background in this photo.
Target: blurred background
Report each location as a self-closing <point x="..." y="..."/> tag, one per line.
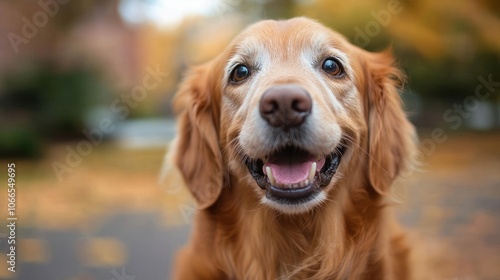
<point x="85" y="91"/>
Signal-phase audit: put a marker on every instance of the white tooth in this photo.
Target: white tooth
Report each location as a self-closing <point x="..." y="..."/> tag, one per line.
<point x="270" y="175"/>
<point x="312" y="172"/>
<point x="306" y="182"/>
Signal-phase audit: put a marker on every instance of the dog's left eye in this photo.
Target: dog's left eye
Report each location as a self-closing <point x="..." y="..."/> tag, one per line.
<point x="332" y="66"/>
<point x="239" y="73"/>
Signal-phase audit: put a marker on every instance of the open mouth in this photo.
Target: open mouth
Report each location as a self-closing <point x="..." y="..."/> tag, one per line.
<point x="292" y="175"/>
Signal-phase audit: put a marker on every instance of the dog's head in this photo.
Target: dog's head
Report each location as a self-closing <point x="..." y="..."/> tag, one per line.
<point x="295" y="109"/>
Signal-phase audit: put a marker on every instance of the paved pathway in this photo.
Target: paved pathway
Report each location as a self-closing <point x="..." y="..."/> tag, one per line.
<point x="148" y="248"/>
<point x="109" y="219"/>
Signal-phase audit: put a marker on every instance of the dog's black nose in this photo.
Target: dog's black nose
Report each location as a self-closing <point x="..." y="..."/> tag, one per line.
<point x="285" y="106"/>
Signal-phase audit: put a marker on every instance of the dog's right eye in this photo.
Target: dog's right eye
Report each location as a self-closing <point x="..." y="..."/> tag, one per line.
<point x="239" y="73"/>
<point x="333" y="67"/>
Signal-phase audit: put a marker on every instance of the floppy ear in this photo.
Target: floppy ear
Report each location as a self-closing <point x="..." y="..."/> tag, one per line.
<point x="391" y="136"/>
<point x="197" y="152"/>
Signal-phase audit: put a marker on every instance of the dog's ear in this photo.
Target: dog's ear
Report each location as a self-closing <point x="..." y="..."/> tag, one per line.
<point x="197" y="152"/>
<point x="390" y="135"/>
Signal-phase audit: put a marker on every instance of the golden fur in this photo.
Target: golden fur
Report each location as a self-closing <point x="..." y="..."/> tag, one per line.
<point x="351" y="234"/>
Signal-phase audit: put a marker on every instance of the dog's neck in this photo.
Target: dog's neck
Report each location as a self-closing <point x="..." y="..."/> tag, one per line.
<point x="295" y="241"/>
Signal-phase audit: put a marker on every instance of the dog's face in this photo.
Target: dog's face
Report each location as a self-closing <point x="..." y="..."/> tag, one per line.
<point x="290" y="106"/>
<point x="293" y="107"/>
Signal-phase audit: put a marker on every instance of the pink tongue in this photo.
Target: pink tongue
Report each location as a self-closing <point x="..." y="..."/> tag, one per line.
<point x="290" y="173"/>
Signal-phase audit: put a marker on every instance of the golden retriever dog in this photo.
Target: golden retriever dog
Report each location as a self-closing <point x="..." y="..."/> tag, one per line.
<point x="289" y="142"/>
